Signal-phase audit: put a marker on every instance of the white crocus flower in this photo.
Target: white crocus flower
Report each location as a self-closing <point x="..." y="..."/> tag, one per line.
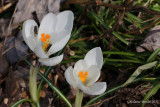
<point x="52" y="35"/>
<point x="86" y="72"/>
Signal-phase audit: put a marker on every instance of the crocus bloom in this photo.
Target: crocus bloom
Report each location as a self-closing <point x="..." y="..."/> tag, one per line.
<point x="52" y="35"/>
<point x="86" y="72"/>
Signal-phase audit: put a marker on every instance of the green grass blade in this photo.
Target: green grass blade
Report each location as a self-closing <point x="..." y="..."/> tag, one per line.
<point x="122" y="60"/>
<point x="134" y="17"/>
<point x="152" y="92"/>
<point x="20" y="102"/>
<point x="119" y="53"/>
<point x="139" y="70"/>
<point x="42" y="81"/>
<point x="27" y="61"/>
<point x="114" y="33"/>
<point x="120" y="37"/>
<point x="153" y="55"/>
<point x="78" y="31"/>
<point x="55" y="89"/>
<point x="99" y="20"/>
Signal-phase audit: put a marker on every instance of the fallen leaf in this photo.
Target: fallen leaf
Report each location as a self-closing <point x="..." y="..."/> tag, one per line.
<point x="22" y="72"/>
<point x="16" y="48"/>
<point x="3" y="62"/>
<point x="152" y="40"/>
<point x="42" y="94"/>
<point x="25" y="9"/>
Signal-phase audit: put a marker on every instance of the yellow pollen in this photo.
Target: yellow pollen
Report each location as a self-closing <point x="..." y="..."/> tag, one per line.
<point x="45" y="40"/>
<point x="82" y="76"/>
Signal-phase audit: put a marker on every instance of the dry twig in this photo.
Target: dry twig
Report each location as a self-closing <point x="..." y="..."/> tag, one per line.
<point x="144" y="28"/>
<point x="85" y="38"/>
<point x="4" y="8"/>
<point x="117" y="7"/>
<point x="100" y="102"/>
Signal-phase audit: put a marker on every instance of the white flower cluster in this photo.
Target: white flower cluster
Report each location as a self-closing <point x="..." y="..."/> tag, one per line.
<point x="52" y="35"/>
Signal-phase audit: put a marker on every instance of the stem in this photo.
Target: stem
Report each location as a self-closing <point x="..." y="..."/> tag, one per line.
<point x="79" y="98"/>
<point x="51" y="86"/>
<point x="33" y="86"/>
<point x="33" y="105"/>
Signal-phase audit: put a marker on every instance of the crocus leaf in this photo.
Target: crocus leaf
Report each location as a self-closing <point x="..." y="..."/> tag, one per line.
<point x="138" y="71"/>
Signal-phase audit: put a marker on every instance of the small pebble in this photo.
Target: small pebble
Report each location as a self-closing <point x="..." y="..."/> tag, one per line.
<point x="5" y="100"/>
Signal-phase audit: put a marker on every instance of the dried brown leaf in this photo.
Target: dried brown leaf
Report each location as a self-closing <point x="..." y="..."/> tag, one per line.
<point x="25" y="8"/>
<point x="3" y="62"/>
<point x="15" y="48"/>
<point x="152" y="40"/>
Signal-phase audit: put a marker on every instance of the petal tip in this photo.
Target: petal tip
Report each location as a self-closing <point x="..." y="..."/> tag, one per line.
<point x="51" y="61"/>
<point x="94" y="57"/>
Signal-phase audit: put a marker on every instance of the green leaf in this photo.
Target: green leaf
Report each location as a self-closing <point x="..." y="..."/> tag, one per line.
<point x="114" y="33"/>
<point x="20" y="102"/>
<point x="134" y="17"/>
<point x="119" y="53"/>
<point x="120" y="37"/>
<point x="55" y="89"/>
<point x="153" y="55"/>
<point x="33" y="83"/>
<point x="122" y="60"/>
<point x="152" y="92"/>
<point x="138" y="71"/>
<point x="156" y="7"/>
<point x="74" y="34"/>
<point x="99" y="20"/>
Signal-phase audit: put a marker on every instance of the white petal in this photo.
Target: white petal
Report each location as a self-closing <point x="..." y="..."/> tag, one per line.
<point x="80" y="65"/>
<point x="51" y="61"/>
<point x="94" y="57"/>
<point x="69" y="77"/>
<point x="95" y="89"/>
<point x="93" y="75"/>
<point x="39" y="51"/>
<point x="28" y="33"/>
<point x="47" y="25"/>
<point x="64" y="21"/>
<point x="59" y="36"/>
<point x="58" y="45"/>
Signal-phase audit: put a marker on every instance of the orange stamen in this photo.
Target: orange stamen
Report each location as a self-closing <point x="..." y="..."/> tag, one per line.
<point x="45" y="40"/>
<point x="86" y="73"/>
<point x="82" y="76"/>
